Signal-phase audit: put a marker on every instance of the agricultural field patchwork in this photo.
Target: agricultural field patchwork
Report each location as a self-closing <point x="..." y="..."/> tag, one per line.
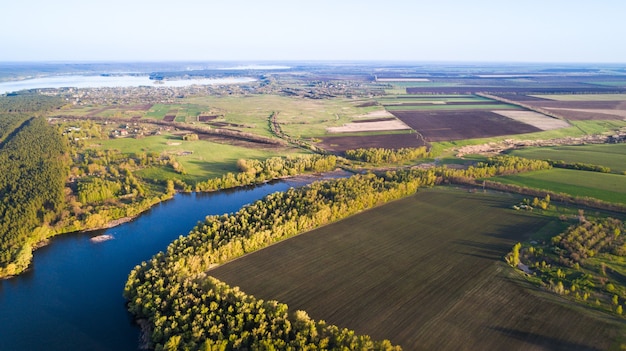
<point x="578" y="106"/>
<point x="458" y="117"/>
<point x="430" y="274"/>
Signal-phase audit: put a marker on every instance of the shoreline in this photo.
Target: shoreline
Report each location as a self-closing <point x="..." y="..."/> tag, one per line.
<point x="337" y="173"/>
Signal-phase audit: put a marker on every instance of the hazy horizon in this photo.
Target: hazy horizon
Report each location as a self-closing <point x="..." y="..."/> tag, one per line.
<point x="454" y="31"/>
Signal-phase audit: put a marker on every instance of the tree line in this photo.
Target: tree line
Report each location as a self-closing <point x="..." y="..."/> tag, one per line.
<point x="382" y="155"/>
<point x="580" y="166"/>
<point x="186" y="310"/>
<point x="257" y="172"/>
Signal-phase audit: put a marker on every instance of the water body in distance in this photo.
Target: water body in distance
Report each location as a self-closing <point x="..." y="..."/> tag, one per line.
<point x="71" y="299"/>
<point x="111" y="82"/>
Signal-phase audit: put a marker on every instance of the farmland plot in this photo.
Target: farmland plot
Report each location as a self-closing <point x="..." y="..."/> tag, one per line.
<point x="339" y="144"/>
<point x="580" y="106"/>
<point x="459" y="124"/>
<point x="425" y="273"/>
<point x="534" y="119"/>
<point x="365" y="126"/>
<point x="607" y="155"/>
<point x="602" y="186"/>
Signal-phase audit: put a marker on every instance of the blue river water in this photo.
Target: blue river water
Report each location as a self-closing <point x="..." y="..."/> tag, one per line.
<point x="71" y="298"/>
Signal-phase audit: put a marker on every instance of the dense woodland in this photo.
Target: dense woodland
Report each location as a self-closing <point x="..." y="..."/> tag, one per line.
<point x="257" y="172"/>
<point x="382" y="155"/>
<point x="33" y="170"/>
<point x="192" y="311"/>
<point x="29" y="102"/>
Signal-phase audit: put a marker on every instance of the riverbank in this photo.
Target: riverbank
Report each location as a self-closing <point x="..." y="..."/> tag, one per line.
<point x="71" y="280"/>
<point x="42" y="235"/>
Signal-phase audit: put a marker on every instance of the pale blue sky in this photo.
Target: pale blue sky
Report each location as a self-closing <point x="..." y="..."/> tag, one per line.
<point x="441" y="30"/>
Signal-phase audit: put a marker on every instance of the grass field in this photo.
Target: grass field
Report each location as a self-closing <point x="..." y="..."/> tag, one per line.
<point x="583" y="97"/>
<point x="158" y="111"/>
<point x="298" y="117"/>
<point x="603" y="186"/>
<point x="201" y="159"/>
<point x="427" y="273"/>
<point x="425" y="99"/>
<point x="608" y="155"/>
<point x="439" y="107"/>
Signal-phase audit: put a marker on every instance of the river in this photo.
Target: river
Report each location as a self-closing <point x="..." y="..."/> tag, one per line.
<point x="71" y="298"/>
<point x="78" y="81"/>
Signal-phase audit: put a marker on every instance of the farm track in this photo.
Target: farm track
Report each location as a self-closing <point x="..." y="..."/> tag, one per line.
<point x="425" y="272"/>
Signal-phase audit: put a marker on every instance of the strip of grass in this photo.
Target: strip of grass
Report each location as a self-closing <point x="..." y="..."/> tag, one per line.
<point x="586" y="97"/>
<point x="438" y="107"/>
<point x="405" y="99"/>
<point x="608" y="155"/>
<point x="602" y="186"/>
<point x="382" y="132"/>
<point x="423" y="272"/>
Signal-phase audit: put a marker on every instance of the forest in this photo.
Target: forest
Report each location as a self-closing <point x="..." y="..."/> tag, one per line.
<point x="382" y="155"/>
<point x="33" y="170"/>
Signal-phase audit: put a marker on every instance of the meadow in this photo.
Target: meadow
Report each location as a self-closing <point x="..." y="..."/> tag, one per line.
<point x="607" y="155"/>
<point x="201" y="159"/>
<point x="425" y="273"/>
<point x="602" y="186"/>
<point x="582" y="97"/>
<point x="439" y="107"/>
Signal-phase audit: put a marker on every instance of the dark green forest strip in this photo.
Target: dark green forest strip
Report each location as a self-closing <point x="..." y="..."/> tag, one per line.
<point x="423" y="272"/>
<point x="10" y="125"/>
<point x="32" y="176"/>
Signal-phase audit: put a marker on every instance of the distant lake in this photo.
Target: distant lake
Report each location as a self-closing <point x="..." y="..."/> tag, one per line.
<point x="79" y="81"/>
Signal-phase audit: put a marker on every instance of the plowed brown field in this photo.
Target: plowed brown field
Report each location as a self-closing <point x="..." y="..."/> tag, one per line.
<point x="339" y="144"/>
<point x="459" y="124"/>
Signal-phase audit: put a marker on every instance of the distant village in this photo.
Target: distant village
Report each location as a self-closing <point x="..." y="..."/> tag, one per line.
<point x="312" y="89"/>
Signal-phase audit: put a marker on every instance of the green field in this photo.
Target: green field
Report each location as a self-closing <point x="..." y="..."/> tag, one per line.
<point x="201" y="159"/>
<point x="426" y="272"/>
<point x="608" y="155"/>
<point x="441" y="107"/>
<point x="158" y="111"/>
<point x="602" y="186"/>
<point x="583" y="97"/>
<point x="426" y="99"/>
